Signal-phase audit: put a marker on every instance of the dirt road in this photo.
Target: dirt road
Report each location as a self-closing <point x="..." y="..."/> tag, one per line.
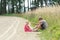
<point x="12" y="28"/>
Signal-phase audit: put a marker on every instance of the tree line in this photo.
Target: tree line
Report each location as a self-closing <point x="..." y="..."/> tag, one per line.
<point x="19" y="6"/>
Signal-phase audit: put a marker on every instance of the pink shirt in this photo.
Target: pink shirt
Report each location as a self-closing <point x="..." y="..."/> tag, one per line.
<point x="27" y="28"/>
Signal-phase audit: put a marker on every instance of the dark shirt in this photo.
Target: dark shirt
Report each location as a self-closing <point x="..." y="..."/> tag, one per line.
<point x="43" y="24"/>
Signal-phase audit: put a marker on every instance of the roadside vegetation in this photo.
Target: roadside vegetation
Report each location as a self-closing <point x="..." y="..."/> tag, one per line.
<point x="52" y="16"/>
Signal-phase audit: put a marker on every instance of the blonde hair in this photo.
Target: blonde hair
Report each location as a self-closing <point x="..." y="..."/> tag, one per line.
<point x="27" y="22"/>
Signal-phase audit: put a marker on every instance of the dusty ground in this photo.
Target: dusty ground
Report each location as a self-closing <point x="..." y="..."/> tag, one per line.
<point x="12" y="28"/>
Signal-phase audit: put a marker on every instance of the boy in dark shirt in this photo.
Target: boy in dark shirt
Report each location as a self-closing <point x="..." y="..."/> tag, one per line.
<point x="42" y="24"/>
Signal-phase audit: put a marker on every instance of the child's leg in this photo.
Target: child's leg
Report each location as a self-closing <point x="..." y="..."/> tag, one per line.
<point x="35" y="30"/>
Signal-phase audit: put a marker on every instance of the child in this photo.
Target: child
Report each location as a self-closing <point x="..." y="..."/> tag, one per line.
<point x="27" y="28"/>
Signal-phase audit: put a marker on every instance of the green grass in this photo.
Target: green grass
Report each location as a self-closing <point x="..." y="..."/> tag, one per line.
<point x="53" y="30"/>
<point x="52" y="16"/>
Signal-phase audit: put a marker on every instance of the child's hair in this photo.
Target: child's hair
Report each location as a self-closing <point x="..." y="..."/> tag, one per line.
<point x="40" y="18"/>
<point x="27" y="22"/>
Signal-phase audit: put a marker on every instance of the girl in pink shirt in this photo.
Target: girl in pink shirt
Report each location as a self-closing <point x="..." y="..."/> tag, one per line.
<point x="27" y="28"/>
